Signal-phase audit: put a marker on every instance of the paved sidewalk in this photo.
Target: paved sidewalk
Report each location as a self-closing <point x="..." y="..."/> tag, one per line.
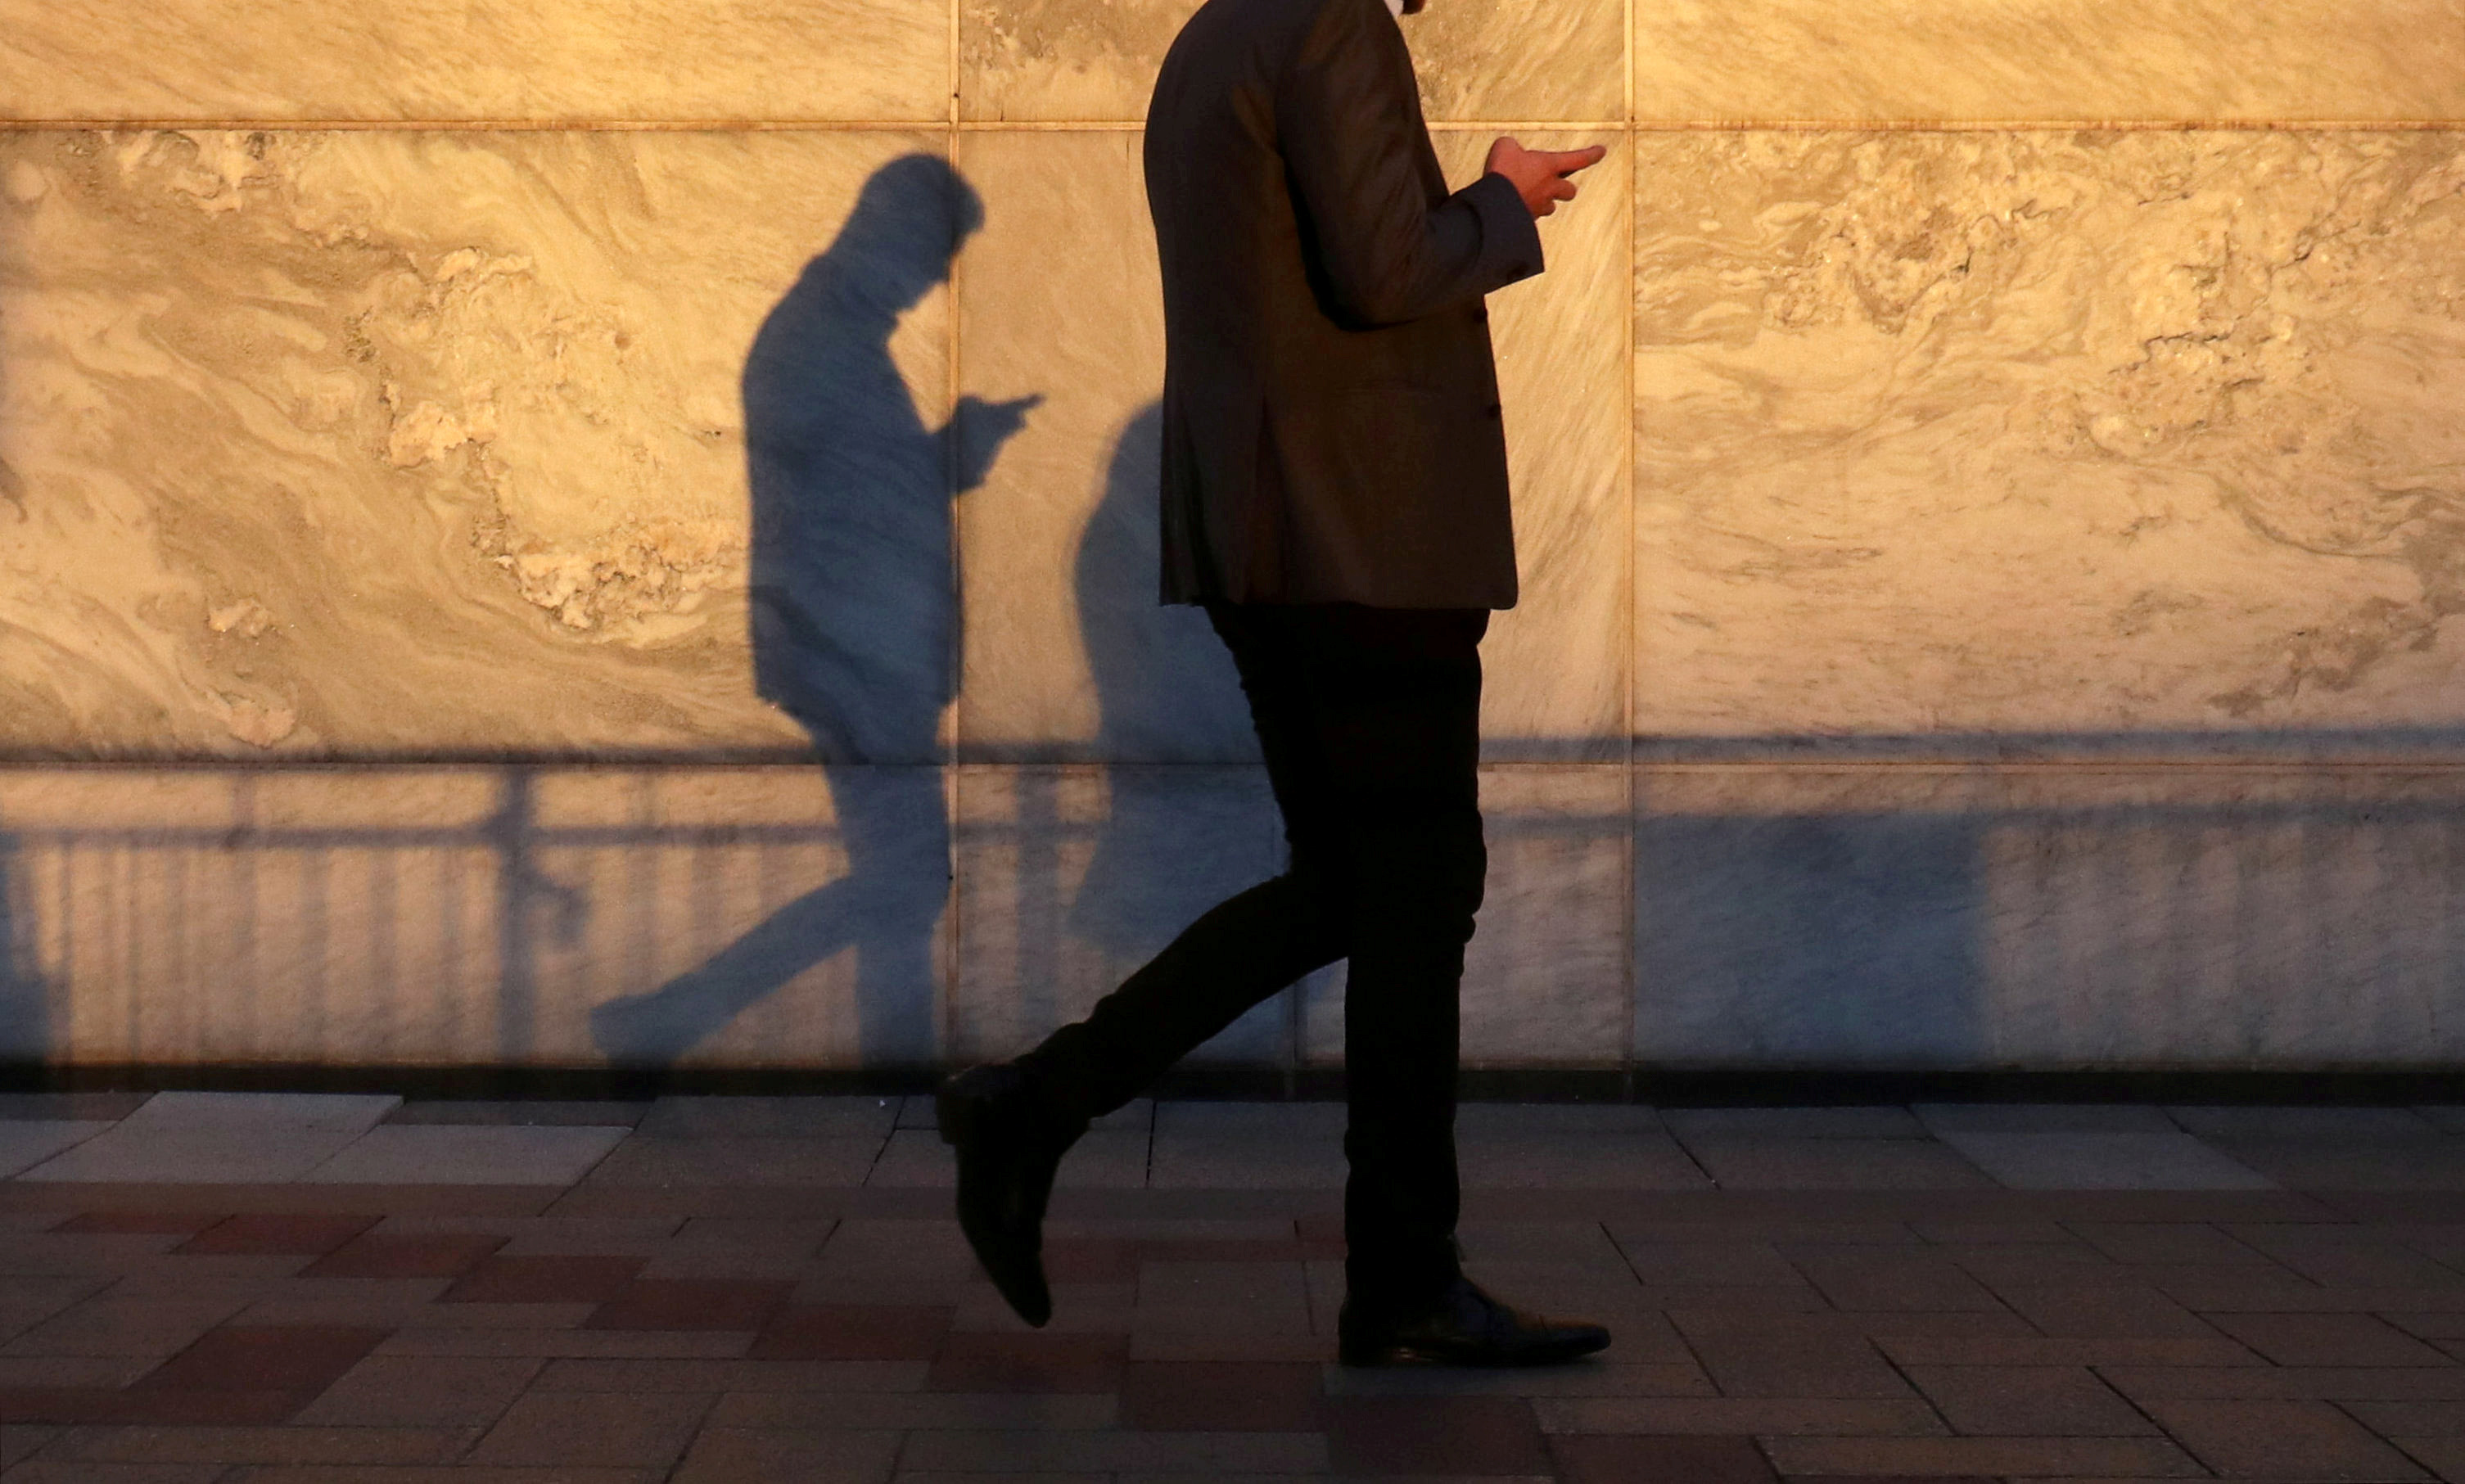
<point x="345" y="1289"/>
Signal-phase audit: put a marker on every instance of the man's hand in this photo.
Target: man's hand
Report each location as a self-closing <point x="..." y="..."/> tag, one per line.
<point x="1539" y="175"/>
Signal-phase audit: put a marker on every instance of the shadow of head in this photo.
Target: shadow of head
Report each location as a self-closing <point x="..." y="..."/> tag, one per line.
<point x="852" y="616"/>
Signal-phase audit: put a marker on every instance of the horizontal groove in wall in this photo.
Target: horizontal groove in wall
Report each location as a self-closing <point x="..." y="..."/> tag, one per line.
<point x="1118" y="125"/>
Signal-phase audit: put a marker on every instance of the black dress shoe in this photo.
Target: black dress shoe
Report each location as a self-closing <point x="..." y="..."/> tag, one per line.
<point x="1008" y="1148"/>
<point x="1463" y="1327"/>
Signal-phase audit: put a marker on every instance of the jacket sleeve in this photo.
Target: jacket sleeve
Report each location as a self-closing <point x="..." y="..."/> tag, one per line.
<point x="1351" y="136"/>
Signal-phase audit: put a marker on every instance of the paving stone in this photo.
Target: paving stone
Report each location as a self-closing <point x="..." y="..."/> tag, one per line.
<point x="1639" y="1160"/>
<point x="373" y="1255"/>
<point x="1734" y="1264"/>
<point x="1915" y="1350"/>
<point x="71" y="1107"/>
<point x="1757" y="1163"/>
<point x="541" y="1113"/>
<point x="771" y="1117"/>
<point x="886" y="1409"/>
<point x="592" y="1428"/>
<point x="2106" y="1313"/>
<point x="852" y="1332"/>
<point x="1805" y="1367"/>
<point x="2431" y="1162"/>
<point x="582" y="1278"/>
<point x="2443" y="1456"/>
<point x="2342" y="1258"/>
<point x="2411" y="1419"/>
<point x="44" y="1470"/>
<point x="422" y="1391"/>
<point x="2306" y="1440"/>
<point x="2028" y="1401"/>
<point x="2295" y="1121"/>
<point x="1942" y="1118"/>
<point x="567" y="1341"/>
<point x="219" y="1138"/>
<point x="1874" y="1460"/>
<point x="301" y="1234"/>
<point x="1369" y="1436"/>
<point x="2168" y="1160"/>
<point x="465" y="1474"/>
<point x="1198" y="1160"/>
<point x="1042" y="1360"/>
<point x="1298" y="1122"/>
<point x="183" y="1224"/>
<point x="1102" y="1160"/>
<point x="28" y="1143"/>
<point x="292" y="1444"/>
<point x="2326" y="1339"/>
<point x="2144" y="1383"/>
<point x="728" y="1374"/>
<point x="1847" y="1122"/>
<point x="749" y="1455"/>
<point x="2446" y="1118"/>
<point x="976" y="1451"/>
<point x="1222" y="1397"/>
<point x="1896" y="1280"/>
<point x="679" y="1303"/>
<point x="1660" y="1460"/>
<point x="238" y="1358"/>
<point x="732" y="1161"/>
<point x="1252" y="1288"/>
<point x="444" y="1154"/>
<point x="1554" y="1119"/>
<point x="1738" y="1416"/>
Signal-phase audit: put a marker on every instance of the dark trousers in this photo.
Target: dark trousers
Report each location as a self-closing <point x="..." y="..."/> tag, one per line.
<point x="1371" y="722"/>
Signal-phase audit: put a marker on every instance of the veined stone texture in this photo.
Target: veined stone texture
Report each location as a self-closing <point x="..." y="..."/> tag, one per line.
<point x="2049" y="434"/>
<point x="394" y="443"/>
<point x="463" y="61"/>
<point x="1841" y="61"/>
<point x="1097" y="60"/>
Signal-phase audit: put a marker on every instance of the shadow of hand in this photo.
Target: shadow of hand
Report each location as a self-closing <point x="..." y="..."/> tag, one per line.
<point x="981" y="428"/>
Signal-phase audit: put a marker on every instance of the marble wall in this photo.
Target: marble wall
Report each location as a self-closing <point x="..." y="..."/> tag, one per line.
<point x="591" y="532"/>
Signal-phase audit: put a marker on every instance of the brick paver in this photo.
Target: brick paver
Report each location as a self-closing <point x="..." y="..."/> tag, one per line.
<point x="735" y="1295"/>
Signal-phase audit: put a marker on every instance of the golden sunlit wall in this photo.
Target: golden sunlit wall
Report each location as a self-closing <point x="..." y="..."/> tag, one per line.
<point x="1990" y="488"/>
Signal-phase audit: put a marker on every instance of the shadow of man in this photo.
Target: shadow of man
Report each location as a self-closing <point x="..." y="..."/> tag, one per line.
<point x="854" y="620"/>
<point x="1166" y="692"/>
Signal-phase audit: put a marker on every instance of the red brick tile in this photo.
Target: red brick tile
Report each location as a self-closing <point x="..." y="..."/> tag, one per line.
<point x="242" y="1358"/>
<point x="1660" y="1460"/>
<point x="852" y="1332"/>
<point x="168" y="1223"/>
<point x="2326" y="1339"/>
<point x="2307" y="1440"/>
<point x="560" y="1279"/>
<point x="1042" y="1360"/>
<point x="168" y="1408"/>
<point x="1434" y="1436"/>
<point x="444" y="1255"/>
<point x="690" y="1303"/>
<point x="1222" y="1397"/>
<point x="289" y="1234"/>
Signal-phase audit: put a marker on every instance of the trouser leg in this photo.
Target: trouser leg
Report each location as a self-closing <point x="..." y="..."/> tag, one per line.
<point x="1243" y="950"/>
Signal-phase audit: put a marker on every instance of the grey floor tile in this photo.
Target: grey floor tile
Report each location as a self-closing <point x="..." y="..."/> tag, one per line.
<point x="2446" y="1118"/>
<point x="770" y="1117"/>
<point x="449" y="1154"/>
<point x="71" y="1107"/>
<point x="524" y="1112"/>
<point x="2425" y="1162"/>
<point x="1739" y="1163"/>
<point x="641" y="1161"/>
<point x="1231" y="1119"/>
<point x="2042" y="1117"/>
<point x="1879" y="1123"/>
<point x="2137" y="1161"/>
<point x="2282" y="1122"/>
<point x="1577" y="1162"/>
<point x="1184" y="1161"/>
<point x="220" y="1137"/>
<point x="1137" y="1116"/>
<point x="30" y="1142"/>
<point x="1544" y="1119"/>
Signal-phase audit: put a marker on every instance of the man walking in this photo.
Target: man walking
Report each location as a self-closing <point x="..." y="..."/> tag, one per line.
<point x="1334" y="495"/>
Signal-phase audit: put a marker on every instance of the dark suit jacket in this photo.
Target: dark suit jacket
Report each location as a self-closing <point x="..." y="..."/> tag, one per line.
<point x="1330" y="408"/>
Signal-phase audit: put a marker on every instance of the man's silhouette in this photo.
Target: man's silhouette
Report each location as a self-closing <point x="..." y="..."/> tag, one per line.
<point x="1334" y="494"/>
<point x="854" y="629"/>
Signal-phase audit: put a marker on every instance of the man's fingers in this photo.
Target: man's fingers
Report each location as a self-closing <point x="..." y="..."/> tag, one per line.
<point x="1566" y="162"/>
<point x="1560" y="188"/>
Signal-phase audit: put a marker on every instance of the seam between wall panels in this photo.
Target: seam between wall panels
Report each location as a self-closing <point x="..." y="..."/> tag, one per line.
<point x="954" y="957"/>
<point x="1134" y="126"/>
<point x="1630" y="966"/>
